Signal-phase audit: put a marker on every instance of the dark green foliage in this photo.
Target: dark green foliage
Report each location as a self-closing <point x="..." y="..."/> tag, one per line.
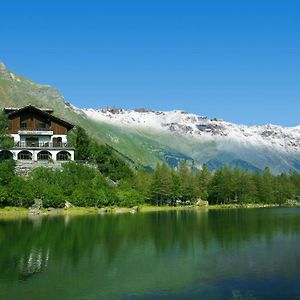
<point x="3" y="196"/>
<point x="6" y="171"/>
<point x="188" y="188"/>
<point x="110" y="165"/>
<point x="203" y="179"/>
<point x="108" y="161"/>
<point x="107" y="180"/>
<point x="81" y="142"/>
<point x="52" y="196"/>
<point x="244" y="186"/>
<point x="20" y="192"/>
<point x="240" y="186"/>
<point x="130" y="198"/>
<point x="103" y="178"/>
<point x="5" y="140"/>
<point x="79" y="184"/>
<point x="285" y="189"/>
<point x="221" y="188"/>
<point x="162" y="183"/>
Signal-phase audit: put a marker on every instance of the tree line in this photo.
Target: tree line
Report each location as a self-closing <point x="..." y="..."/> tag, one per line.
<point x="84" y="185"/>
<point x="103" y="178"/>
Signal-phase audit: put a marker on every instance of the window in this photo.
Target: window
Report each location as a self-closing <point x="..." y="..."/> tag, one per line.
<point x="24" y="155"/>
<point x="44" y="155"/>
<point x="32" y="142"/>
<point x="42" y="126"/>
<point x="63" y="155"/>
<point x="5" y="155"/>
<point x="57" y="142"/>
<point x="23" y="125"/>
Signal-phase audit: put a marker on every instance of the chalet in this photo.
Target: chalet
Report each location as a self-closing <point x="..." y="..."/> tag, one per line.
<point x="38" y="135"/>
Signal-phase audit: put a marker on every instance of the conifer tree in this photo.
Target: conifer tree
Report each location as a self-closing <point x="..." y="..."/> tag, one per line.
<point x="187" y="183"/>
<point x="5" y="140"/>
<point x="161" y="184"/>
<point x="266" y="190"/>
<point x="203" y="179"/>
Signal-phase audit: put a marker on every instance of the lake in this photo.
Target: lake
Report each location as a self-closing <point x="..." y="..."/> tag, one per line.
<point x="187" y="254"/>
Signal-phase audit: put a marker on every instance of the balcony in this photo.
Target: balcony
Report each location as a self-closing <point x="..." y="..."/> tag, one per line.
<point x="42" y="145"/>
<point x="36" y="131"/>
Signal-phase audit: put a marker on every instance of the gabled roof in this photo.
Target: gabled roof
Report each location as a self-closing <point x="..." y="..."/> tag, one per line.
<point x="12" y="109"/>
<point x="41" y="112"/>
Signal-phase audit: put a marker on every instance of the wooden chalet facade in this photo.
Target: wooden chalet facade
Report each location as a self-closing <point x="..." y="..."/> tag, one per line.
<point x="38" y="135"/>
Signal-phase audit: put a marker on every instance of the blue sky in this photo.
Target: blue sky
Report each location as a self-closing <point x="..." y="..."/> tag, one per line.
<point x="236" y="60"/>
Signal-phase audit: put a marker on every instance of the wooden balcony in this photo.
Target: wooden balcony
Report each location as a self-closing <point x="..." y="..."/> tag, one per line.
<point x="36" y="131"/>
<point x="42" y="145"/>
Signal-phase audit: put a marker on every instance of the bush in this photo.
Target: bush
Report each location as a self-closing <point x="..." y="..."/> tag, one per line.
<point x="6" y="171"/>
<point x="53" y="197"/>
<point x="21" y="192"/>
<point x="3" y="196"/>
<point x="129" y="198"/>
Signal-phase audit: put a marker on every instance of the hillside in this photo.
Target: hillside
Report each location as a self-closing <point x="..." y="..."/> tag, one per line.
<point x="148" y="137"/>
<point x="18" y="91"/>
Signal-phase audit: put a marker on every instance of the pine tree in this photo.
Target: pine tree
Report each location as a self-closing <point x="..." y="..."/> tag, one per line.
<point x="187" y="183"/>
<point x="161" y="185"/>
<point x="82" y="144"/>
<point x="203" y="179"/>
<point x="6" y="141"/>
<point x="244" y="187"/>
<point x="264" y="186"/>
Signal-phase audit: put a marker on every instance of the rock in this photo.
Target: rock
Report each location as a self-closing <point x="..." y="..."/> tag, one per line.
<point x="34" y="212"/>
<point x="134" y="209"/>
<point x="102" y="210"/>
<point x="68" y="204"/>
<point x="38" y="204"/>
<point x="35" y="208"/>
<point x="122" y="210"/>
<point x="201" y="202"/>
<point x="292" y="202"/>
<point x="111" y="182"/>
<point x="178" y="202"/>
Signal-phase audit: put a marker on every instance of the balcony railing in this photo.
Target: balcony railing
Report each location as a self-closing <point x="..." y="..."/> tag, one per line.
<point x="36" y="129"/>
<point x="39" y="131"/>
<point x="42" y="145"/>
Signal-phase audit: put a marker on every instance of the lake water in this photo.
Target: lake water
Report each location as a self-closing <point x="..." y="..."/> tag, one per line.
<point x="214" y="254"/>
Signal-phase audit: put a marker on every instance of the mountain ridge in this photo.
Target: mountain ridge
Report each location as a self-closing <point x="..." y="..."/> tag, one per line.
<point x="199" y="126"/>
<point x="148" y="136"/>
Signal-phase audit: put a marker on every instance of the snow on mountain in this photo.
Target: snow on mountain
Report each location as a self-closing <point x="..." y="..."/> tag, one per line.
<point x="286" y="139"/>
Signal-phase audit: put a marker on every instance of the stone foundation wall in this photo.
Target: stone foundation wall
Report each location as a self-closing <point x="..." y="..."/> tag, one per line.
<point x="23" y="168"/>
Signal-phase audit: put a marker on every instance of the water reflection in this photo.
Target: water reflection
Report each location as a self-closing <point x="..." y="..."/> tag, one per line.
<point x="33" y="264"/>
<point x="151" y="255"/>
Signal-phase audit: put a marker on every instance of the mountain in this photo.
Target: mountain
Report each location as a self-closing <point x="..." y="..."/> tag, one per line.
<point x="148" y="137"/>
<point x="177" y="135"/>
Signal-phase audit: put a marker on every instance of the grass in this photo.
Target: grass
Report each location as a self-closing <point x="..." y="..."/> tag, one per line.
<point x="13" y="212"/>
<point x="246" y="205"/>
<point x="18" y="212"/>
<point x="23" y="212"/>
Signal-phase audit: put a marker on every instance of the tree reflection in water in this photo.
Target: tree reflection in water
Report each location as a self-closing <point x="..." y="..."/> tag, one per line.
<point x="204" y="245"/>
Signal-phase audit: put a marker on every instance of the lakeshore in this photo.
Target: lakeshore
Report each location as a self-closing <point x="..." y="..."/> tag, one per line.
<point x="21" y="212"/>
